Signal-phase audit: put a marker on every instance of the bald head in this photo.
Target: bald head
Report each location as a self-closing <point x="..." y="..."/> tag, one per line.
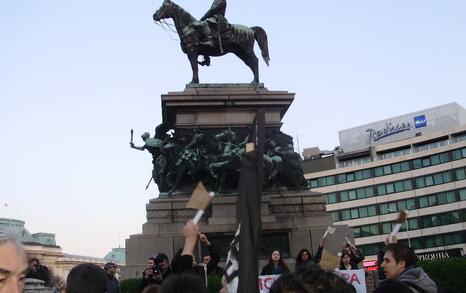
<point x="13" y="263"/>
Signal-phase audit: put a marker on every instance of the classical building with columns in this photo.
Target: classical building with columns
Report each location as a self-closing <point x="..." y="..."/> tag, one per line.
<point x="43" y="246"/>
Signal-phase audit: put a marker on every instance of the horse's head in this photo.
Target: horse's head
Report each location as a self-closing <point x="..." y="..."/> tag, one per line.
<point x="164" y="11"/>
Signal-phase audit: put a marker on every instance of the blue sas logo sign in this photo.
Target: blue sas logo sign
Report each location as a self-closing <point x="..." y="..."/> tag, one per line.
<point x="420" y="121"/>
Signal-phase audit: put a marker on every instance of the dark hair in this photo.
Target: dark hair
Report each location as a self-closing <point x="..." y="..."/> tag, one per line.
<point x="161" y="257"/>
<point x="154" y="288"/>
<point x="183" y="283"/>
<point x="299" y="257"/>
<point x="34" y="259"/>
<point x="86" y="278"/>
<point x="341" y="258"/>
<point x="288" y="283"/>
<point x="401" y="252"/>
<point x="281" y="263"/>
<point x="389" y="286"/>
<point x="311" y="279"/>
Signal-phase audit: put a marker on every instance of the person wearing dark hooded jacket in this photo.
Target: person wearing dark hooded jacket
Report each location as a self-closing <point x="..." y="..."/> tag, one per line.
<point x="399" y="263"/>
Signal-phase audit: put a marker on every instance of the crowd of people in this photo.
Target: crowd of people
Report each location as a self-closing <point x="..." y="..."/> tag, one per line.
<point x="397" y="264"/>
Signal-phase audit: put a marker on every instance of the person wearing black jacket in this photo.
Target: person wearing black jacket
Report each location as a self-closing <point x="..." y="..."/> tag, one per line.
<point x="151" y="275"/>
<point x="38" y="271"/>
<point x="112" y="282"/>
<point x="163" y="264"/>
<point x="355" y="254"/>
<point x="211" y="259"/>
<point x="185" y="277"/>
<point x="276" y="265"/>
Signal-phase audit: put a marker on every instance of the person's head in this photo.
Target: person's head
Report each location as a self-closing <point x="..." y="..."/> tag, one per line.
<point x="347" y="249"/>
<point x="34" y="264"/>
<point x="289" y="283"/>
<point x="276" y="259"/>
<point x="396" y="259"/>
<point x="206" y="259"/>
<point x="303" y="256"/>
<point x="86" y="278"/>
<point x="345" y="259"/>
<point x="110" y="268"/>
<point x="162" y="261"/>
<point x="154" y="288"/>
<point x="145" y="136"/>
<point x="275" y="256"/>
<point x="389" y="286"/>
<point x="183" y="283"/>
<point x="13" y="263"/>
<point x="150" y="263"/>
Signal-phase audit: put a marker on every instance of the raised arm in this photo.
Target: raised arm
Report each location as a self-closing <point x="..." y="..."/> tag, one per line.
<point x="141" y="148"/>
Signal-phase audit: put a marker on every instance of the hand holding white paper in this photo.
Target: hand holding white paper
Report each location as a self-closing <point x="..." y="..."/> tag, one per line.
<point x="199" y="213"/>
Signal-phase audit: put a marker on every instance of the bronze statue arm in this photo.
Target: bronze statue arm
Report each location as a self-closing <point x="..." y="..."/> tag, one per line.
<point x="141" y="148"/>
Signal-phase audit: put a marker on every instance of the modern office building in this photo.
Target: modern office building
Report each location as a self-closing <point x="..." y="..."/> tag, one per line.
<point x="414" y="162"/>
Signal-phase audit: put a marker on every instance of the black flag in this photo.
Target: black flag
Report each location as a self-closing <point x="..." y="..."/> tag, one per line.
<point x="249" y="207"/>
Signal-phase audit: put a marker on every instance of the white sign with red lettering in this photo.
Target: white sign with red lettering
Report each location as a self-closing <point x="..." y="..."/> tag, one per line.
<point x="357" y="278"/>
<point x="265" y="282"/>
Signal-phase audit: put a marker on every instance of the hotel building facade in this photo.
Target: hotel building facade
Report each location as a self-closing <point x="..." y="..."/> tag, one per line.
<point x="414" y="162"/>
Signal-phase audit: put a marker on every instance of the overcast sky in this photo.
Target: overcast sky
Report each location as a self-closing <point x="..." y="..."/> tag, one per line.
<point x="77" y="75"/>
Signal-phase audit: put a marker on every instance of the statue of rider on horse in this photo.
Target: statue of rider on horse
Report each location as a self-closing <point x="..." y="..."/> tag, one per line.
<point x="213" y="35"/>
<point x="214" y="24"/>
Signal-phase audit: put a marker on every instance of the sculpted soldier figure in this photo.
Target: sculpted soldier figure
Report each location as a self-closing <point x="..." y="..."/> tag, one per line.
<point x="215" y="17"/>
<point x="154" y="146"/>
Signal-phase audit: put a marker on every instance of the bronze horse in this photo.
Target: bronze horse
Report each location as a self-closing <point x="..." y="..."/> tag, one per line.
<point x="238" y="39"/>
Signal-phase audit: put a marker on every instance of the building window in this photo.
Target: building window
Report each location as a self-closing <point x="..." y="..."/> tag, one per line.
<point x="441" y="219"/>
<point x="342" y="178"/>
<point x="370" y="230"/>
<point x="381" y="190"/>
<point x="345" y="215"/>
<point x="335" y="216"/>
<point x="462" y="194"/>
<point x="460" y="174"/>
<point x="378" y="171"/>
<point x="405" y="204"/>
<point x="371" y="249"/>
<point x="435" y="179"/>
<point x="459" y="154"/>
<point x="331" y="198"/>
<point x="362" y="212"/>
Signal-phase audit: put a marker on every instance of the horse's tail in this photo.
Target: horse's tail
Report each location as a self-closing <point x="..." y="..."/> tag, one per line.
<point x="261" y="37"/>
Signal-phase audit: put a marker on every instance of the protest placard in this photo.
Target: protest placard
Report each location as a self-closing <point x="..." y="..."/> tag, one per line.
<point x="357" y="278"/>
<point x="265" y="282"/>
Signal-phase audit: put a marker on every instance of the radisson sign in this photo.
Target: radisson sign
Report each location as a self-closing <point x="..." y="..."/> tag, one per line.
<point x="389" y="129"/>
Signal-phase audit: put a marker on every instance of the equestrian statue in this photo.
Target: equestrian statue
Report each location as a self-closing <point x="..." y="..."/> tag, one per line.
<point x="213" y="35"/>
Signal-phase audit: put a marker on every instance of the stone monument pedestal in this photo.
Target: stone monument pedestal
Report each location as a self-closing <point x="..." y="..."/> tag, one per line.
<point x="223" y="106"/>
<point x="292" y="218"/>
